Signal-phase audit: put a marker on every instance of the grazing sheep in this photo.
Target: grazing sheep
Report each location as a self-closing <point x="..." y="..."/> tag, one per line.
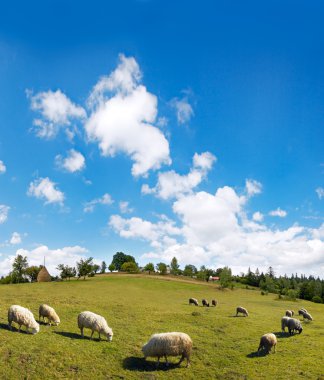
<point x="307" y="316"/>
<point x="268" y="341"/>
<point x="48" y="312"/>
<point x="289" y="313"/>
<point x="94" y="322"/>
<point x="193" y="301"/>
<point x="168" y="344"/>
<point x="302" y="311"/>
<point x="294" y="325"/>
<point x="23" y="317"/>
<point x="242" y="310"/>
<point x="205" y="302"/>
<point x="214" y="302"/>
<point x="284" y="323"/>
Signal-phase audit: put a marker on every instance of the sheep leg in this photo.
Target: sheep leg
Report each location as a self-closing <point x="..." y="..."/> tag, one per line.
<point x="99" y="336"/>
<point x="81" y="328"/>
<point x="166" y="360"/>
<point x="158" y="362"/>
<point x="91" y="334"/>
<point x="19" y="328"/>
<point x="9" y="324"/>
<point x="274" y="348"/>
<point x="181" y="360"/>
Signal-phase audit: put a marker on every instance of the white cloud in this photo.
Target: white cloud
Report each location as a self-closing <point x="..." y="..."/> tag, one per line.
<point x="320" y="192"/>
<point x="257" y="216"/>
<point x="172" y="185"/>
<point x="253" y="187"/>
<point x="4" y="211"/>
<point x="72" y="163"/>
<point x="124" y="207"/>
<point x="123" y="114"/>
<point x="278" y="212"/>
<point x="56" y="111"/>
<point x="44" y="188"/>
<point x="155" y="233"/>
<point x="104" y="200"/>
<point x="15" y="238"/>
<point x="183" y="109"/>
<point x="2" y="167"/>
<point x="215" y="231"/>
<point x="53" y="257"/>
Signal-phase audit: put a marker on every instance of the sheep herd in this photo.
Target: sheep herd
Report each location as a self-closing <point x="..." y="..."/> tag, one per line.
<point x="269" y="340"/>
<point x="159" y="345"/>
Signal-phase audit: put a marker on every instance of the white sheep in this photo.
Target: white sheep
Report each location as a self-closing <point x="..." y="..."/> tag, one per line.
<point x="23" y="317"/>
<point x="168" y="344"/>
<point x="294" y="325"/>
<point x="205" y="302"/>
<point x="94" y="322"/>
<point x="307" y="316"/>
<point x="268" y="341"/>
<point x="289" y="313"/>
<point x="242" y="310"/>
<point x="302" y="311"/>
<point x="284" y="323"/>
<point x="48" y="312"/>
<point x="193" y="301"/>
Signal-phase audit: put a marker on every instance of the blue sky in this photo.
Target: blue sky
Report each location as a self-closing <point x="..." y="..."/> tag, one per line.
<point x="163" y="129"/>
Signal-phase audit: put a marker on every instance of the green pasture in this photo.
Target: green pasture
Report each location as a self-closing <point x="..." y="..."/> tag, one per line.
<point x="135" y="307"/>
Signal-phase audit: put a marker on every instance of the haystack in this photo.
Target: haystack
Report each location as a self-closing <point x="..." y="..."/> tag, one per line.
<point x="43" y="275"/>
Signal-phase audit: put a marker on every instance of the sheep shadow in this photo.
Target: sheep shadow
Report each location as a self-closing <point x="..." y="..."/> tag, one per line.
<point x="282" y="334"/>
<point x="70" y="335"/>
<point x="13" y="328"/>
<point x="257" y="354"/>
<point x="133" y="363"/>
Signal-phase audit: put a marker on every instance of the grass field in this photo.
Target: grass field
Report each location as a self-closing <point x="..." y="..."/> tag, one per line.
<point x="136" y="307"/>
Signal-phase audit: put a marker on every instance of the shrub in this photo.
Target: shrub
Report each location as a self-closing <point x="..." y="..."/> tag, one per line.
<point x="317" y="299"/>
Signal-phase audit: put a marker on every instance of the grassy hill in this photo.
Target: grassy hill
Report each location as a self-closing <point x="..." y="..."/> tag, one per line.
<point x="136" y="307"/>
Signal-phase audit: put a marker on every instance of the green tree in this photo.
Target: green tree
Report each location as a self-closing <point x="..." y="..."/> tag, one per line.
<point x="32" y="272"/>
<point x="149" y="267"/>
<point x="225" y="277"/>
<point x="130" y="267"/>
<point x="190" y="270"/>
<point x="19" y="267"/>
<point x="161" y="268"/>
<point x="95" y="268"/>
<point x="174" y="266"/>
<point x="84" y="267"/>
<point x="120" y="258"/>
<point x="66" y="272"/>
<point x="112" y="267"/>
<point x="103" y="267"/>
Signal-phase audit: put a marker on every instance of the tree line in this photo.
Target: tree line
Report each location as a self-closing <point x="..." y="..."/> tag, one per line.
<point x="308" y="288"/>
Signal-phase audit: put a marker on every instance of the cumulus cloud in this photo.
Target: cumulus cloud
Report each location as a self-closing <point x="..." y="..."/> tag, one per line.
<point x="155" y="233"/>
<point x="53" y="257"/>
<point x="123" y="117"/>
<point x="104" y="200"/>
<point x="214" y="230"/>
<point x="44" y="188"/>
<point x="278" y="212"/>
<point x="172" y="185"/>
<point x="124" y="207"/>
<point x="74" y="161"/>
<point x="257" y="216"/>
<point x="2" y="167"/>
<point x="320" y="192"/>
<point x="56" y="111"/>
<point x="15" y="238"/>
<point x="4" y="211"/>
<point x="253" y="187"/>
<point x="184" y="110"/>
